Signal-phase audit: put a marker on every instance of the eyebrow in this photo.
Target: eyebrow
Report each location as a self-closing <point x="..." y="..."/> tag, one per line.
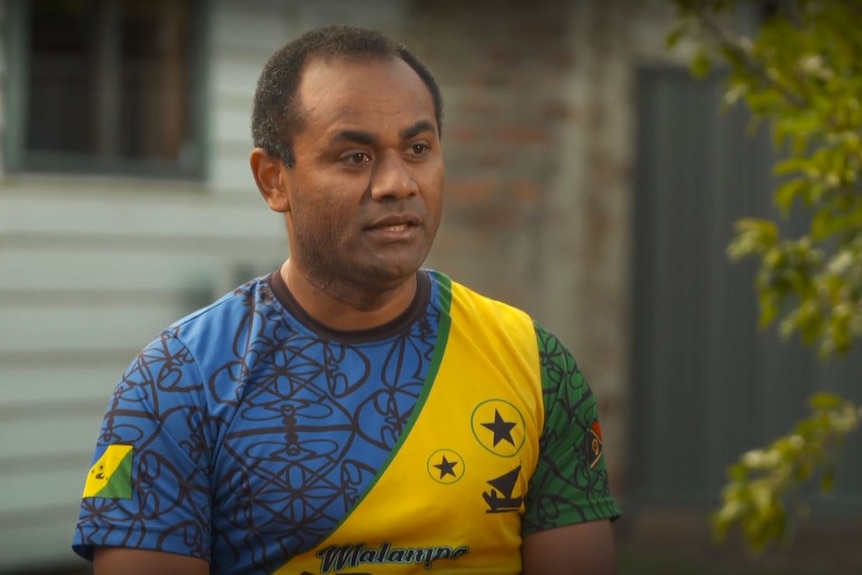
<point x="356" y="136"/>
<point x="369" y="139"/>
<point x="416" y="129"/>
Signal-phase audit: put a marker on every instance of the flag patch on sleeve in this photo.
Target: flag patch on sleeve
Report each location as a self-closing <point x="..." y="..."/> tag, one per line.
<point x="111" y="474"/>
<point x="594" y="443"/>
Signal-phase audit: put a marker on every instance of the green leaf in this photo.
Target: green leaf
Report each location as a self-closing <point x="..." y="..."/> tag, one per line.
<point x="701" y="65"/>
<point x="802" y="78"/>
<point x="674" y="36"/>
<point x="825" y="401"/>
<point x="787" y="193"/>
<point x="791" y="166"/>
<point x="737" y="472"/>
<point x="827" y="480"/>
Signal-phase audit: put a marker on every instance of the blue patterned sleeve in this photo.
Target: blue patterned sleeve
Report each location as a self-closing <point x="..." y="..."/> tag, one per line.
<point x="149" y="485"/>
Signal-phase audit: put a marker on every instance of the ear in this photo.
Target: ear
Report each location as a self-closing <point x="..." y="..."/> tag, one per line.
<point x="272" y="179"/>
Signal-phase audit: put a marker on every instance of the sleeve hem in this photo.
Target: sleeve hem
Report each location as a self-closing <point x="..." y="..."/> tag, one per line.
<point x="601" y="509"/>
<point x="169" y="543"/>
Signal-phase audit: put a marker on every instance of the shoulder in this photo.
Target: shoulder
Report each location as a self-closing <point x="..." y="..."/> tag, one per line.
<point x="478" y="307"/>
<point x="233" y="304"/>
<point x="230" y="315"/>
<point x="189" y="349"/>
<point x="472" y="304"/>
<point x="557" y="359"/>
<point x="505" y="332"/>
<point x="567" y="392"/>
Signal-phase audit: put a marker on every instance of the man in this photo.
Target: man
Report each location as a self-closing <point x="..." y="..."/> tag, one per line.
<point x="350" y="412"/>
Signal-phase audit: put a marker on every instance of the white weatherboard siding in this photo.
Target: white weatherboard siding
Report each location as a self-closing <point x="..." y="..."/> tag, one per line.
<point x="103" y="214"/>
<point x="92" y="268"/>
<point x="32" y="270"/>
<point x="2" y="82"/>
<point x="245" y="34"/>
<point x="58" y="328"/>
<point x="27" y="387"/>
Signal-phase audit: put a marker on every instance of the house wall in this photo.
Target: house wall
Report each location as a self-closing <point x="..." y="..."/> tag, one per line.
<point x="91" y="268"/>
<point x="3" y="32"/>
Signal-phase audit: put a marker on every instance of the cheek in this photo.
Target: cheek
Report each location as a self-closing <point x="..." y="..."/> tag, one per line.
<point x="434" y="194"/>
<point x="431" y="179"/>
<point x="324" y="216"/>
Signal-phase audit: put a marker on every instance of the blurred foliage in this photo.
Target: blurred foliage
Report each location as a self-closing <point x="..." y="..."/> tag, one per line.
<point x="799" y="71"/>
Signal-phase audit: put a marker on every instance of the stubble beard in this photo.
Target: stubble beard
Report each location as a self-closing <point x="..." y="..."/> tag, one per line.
<point x="363" y="287"/>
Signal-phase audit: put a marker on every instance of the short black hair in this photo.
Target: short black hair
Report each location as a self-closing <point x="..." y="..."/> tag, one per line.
<point x="276" y="117"/>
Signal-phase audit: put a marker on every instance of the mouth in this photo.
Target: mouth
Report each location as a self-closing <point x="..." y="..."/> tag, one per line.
<point x="395" y="224"/>
<point x="394" y="228"/>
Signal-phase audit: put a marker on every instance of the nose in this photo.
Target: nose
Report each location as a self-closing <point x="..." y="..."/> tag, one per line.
<point x="392" y="179"/>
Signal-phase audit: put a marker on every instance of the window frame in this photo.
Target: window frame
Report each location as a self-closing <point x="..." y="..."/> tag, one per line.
<point x="18" y="160"/>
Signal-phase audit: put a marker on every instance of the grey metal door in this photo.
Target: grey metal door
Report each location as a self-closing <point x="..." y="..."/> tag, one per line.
<point x="706" y="384"/>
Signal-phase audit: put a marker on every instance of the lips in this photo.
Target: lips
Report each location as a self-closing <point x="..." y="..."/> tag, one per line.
<point x="395" y="223"/>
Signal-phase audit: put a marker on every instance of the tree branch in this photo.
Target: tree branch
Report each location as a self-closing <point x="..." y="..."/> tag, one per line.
<point x="738" y="49"/>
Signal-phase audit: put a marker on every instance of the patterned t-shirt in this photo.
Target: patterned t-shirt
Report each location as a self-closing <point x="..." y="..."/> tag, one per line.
<point x="252" y="436"/>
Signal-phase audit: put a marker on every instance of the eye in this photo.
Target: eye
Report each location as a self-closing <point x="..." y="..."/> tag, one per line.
<point x="357" y="158"/>
<point x="420" y="149"/>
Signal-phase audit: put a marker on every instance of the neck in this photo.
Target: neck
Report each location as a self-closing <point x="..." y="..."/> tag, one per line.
<point x="347" y="307"/>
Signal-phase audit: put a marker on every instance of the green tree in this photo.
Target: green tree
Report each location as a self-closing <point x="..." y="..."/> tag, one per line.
<point x="799" y="71"/>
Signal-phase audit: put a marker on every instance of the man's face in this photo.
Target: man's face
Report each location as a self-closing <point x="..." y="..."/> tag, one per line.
<point x="366" y="188"/>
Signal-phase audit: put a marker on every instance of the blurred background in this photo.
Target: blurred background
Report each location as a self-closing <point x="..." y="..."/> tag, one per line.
<point x="590" y="181"/>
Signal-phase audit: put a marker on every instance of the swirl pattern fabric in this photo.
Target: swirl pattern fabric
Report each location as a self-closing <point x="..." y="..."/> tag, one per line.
<point x="255" y="433"/>
<point x="277" y="429"/>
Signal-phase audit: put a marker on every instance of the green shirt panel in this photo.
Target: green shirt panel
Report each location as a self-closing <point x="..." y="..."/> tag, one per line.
<point x="570" y="484"/>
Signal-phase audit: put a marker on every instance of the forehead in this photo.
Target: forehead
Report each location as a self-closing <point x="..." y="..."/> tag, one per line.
<point x="372" y="93"/>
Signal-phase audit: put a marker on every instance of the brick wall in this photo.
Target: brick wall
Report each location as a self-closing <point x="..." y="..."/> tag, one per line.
<point x="538" y="136"/>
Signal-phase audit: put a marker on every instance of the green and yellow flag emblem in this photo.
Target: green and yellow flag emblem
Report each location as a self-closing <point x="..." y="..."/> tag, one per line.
<point x="111" y="475"/>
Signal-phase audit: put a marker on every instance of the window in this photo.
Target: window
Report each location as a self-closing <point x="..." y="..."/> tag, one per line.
<point x="105" y="86"/>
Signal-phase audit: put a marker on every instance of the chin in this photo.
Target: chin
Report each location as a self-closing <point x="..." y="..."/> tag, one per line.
<point x="393" y="274"/>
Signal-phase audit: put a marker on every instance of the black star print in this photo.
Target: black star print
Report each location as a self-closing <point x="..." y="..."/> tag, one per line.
<point x="446" y="467"/>
<point x="502" y="429"/>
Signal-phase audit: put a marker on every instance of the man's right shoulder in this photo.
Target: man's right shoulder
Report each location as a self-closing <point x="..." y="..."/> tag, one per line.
<point x="221" y="321"/>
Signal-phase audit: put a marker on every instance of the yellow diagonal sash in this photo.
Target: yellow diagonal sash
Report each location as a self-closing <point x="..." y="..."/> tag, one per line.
<point x="451" y="496"/>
